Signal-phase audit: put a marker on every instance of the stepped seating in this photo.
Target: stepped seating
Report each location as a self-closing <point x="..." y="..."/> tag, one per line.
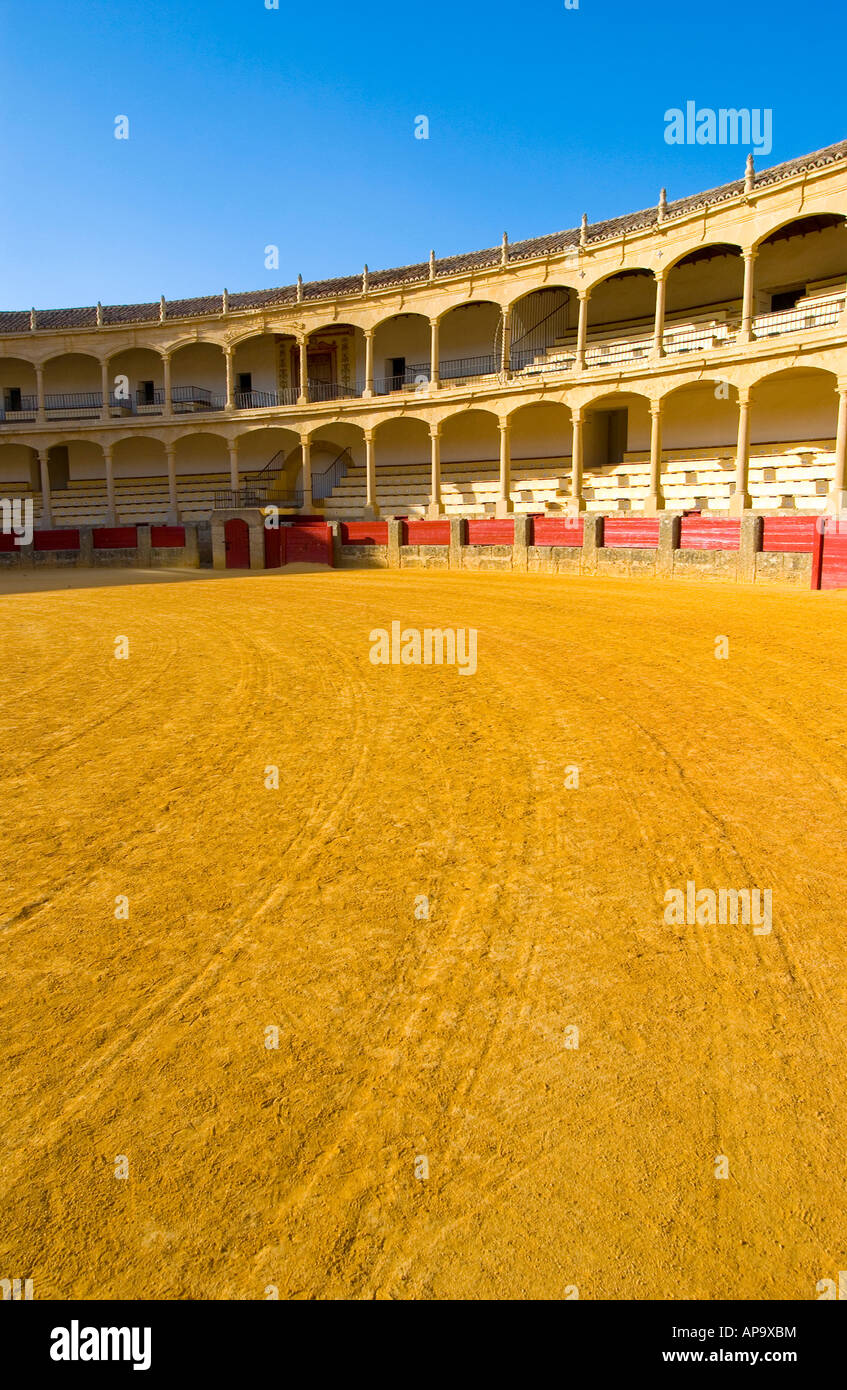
<point x="467" y="489"/>
<point x="84" y="502"/>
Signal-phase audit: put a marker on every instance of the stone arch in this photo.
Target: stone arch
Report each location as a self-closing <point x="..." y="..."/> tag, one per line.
<point x="469" y="334"/>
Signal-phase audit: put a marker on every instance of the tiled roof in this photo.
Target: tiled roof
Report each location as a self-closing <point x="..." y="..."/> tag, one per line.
<point x="18" y="321"/>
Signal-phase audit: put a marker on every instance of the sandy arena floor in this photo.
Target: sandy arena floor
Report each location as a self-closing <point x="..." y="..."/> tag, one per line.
<point x="549" y="1167"/>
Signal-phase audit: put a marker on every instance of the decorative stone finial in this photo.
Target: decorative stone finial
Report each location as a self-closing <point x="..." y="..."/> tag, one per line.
<point x="99" y="314"/>
<point x="226" y="301"/>
<point x="299" y="289"/>
<point x="162" y="309"/>
<point x="504" y="249"/>
<point x="583" y="230"/>
<point x="432" y="265"/>
<point x="32" y="320"/>
<point x="749" y="175"/>
<point x="365" y="280"/>
<point x="663" y="204"/>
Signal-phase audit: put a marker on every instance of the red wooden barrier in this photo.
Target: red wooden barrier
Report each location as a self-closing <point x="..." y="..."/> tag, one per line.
<point x="426" y="532"/>
<point x="491" y="531"/>
<point x="557" y="530"/>
<point x="309" y="544"/>
<point x="56" y="540"/>
<point x="273" y="547"/>
<point x="709" y="533"/>
<point x="8" y="541"/>
<point x="829" y="558"/>
<point x="364" y="533"/>
<point x="790" y="533"/>
<point x="168" y="537"/>
<point x="115" y="538"/>
<point x="635" y="532"/>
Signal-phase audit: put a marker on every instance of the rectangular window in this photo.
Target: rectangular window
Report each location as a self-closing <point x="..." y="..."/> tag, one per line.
<point x="147" y="392"/>
<point x="245" y="381"/>
<point x="785" y="299"/>
<point x="13" y="398"/>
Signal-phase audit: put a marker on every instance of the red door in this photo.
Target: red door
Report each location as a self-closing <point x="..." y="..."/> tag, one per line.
<point x="237" y="540"/>
<point x="308" y="544"/>
<point x="273" y="547"/>
<point x="829" y="558"/>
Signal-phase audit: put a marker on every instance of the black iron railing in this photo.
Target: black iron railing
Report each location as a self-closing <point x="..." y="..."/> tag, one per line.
<point x="324" y="483"/>
<point x="256" y="400"/>
<point x="196" y="398"/>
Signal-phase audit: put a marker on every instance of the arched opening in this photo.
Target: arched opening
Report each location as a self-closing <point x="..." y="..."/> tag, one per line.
<point x="470" y="454"/>
<point x="18" y="470"/>
<point x="468" y="336"/>
<point x="202" y="465"/>
<point x="198" y="378"/>
<point x="401" y="353"/>
<point x="699" y="437"/>
<point x="339" y="485"/>
<point x="72" y="387"/>
<point x="136" y="382"/>
<point x="616" y="452"/>
<point x="800" y="275"/>
<point x="257" y="377"/>
<point x="540" y="444"/>
<point x="542" y="332"/>
<point x="335" y="362"/>
<point x="793" y="417"/>
<point x="140" y="471"/>
<point x="703" y="298"/>
<point x="270" y="466"/>
<point x="17" y="389"/>
<point x="403" y="467"/>
<point x="621" y="315"/>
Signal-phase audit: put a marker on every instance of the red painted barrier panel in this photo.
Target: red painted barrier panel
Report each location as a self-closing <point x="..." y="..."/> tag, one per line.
<point x="168" y="537"/>
<point x="426" y="532"/>
<point x="364" y="533"/>
<point x="491" y="531"/>
<point x="309" y="544"/>
<point x="829" y="565"/>
<point x="709" y="533"/>
<point x="8" y="541"/>
<point x="790" y="533"/>
<point x="56" y="540"/>
<point x="557" y="530"/>
<point x="115" y="538"/>
<point x="634" y="532"/>
<point x="273" y="547"/>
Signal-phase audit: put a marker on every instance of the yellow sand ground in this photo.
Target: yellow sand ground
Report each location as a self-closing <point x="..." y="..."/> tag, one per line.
<point x="549" y="1167"/>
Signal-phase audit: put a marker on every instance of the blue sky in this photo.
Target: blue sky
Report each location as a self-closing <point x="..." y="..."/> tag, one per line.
<point x="295" y="127"/>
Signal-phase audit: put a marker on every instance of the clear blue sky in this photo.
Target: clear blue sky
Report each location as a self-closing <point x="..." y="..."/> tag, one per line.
<point x="296" y="127"/>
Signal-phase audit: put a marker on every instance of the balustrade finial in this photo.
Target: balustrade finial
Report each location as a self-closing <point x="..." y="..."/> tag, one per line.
<point x="365" y="280"/>
<point x="749" y="175"/>
<point x="504" y="249"/>
<point x="583" y="230"/>
<point x="299" y="289"/>
<point x="432" y="265"/>
<point x="226" y="301"/>
<point x="32" y="320"/>
<point x="663" y="204"/>
<point x="162" y="309"/>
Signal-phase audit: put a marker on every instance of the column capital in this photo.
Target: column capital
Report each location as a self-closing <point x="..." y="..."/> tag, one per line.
<point x="369" y="436"/>
<point x="107" y="450"/>
<point x="661" y="273"/>
<point x="434" y="322"/>
<point x="749" y="253"/>
<point x="577" y="414"/>
<point x="504" y="426"/>
<point x="841" y="386"/>
<point x="656" y="407"/>
<point x="435" y="430"/>
<point x="583" y="293"/>
<point x="743" y="394"/>
<point x="369" y="332"/>
<point x="232" y="445"/>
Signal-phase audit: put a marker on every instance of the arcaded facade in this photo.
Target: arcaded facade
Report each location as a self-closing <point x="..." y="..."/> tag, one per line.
<point x="688" y="357"/>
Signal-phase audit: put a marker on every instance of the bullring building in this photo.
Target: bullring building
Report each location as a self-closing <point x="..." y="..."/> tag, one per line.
<point x="689" y="356"/>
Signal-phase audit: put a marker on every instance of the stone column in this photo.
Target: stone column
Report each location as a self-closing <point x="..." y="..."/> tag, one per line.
<point x="233" y="470"/>
<point x="654" y="501"/>
<point x="669" y="531"/>
<point x="166" y="372"/>
<point x="435" y="507"/>
<point x="229" y="359"/>
<point x="111" y="509"/>
<point x="434" y="377"/>
<point x="504" y="505"/>
<point x="659" y="322"/>
<point x="39" y="395"/>
<point x="395" y="541"/>
<point x="369" y="363"/>
<point x="838" y="493"/>
<point x="46" y="507"/>
<point x="173" y="496"/>
<point x="303" y="345"/>
<point x="740" y="499"/>
<point x="506" y="345"/>
<point x="105" y="413"/>
<point x="747" y="302"/>
<point x="582" y="329"/>
<point x="371" y="507"/>
<point x="306" y="450"/>
<point x="520" y="544"/>
<point x="576" y="502"/>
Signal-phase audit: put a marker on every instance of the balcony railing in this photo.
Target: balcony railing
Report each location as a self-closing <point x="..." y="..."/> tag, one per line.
<point x="188" y="398"/>
<point x="72" y="405"/>
<point x="467" y="368"/>
<point x="805" y="316"/>
<point x="25" y="409"/>
<point x="250" y="496"/>
<point x="256" y="400"/>
<point x="333" y="391"/>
